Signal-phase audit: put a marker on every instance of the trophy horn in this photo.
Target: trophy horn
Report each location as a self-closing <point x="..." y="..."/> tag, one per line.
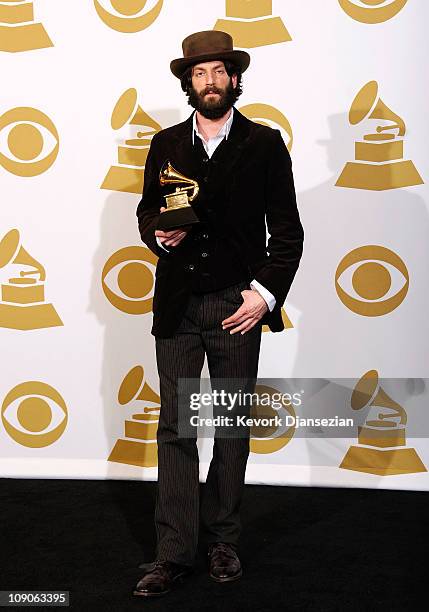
<point x="368" y="104"/>
<point x="169" y="176"/>
<point x="368" y="392"/>
<point x="11" y="251"/>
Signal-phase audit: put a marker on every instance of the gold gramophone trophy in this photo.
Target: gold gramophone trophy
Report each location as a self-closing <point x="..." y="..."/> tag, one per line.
<point x="22" y="304"/>
<point x="383" y="444"/>
<point x="179" y="212"/>
<point x="139" y="446"/>
<point x="379" y="157"/>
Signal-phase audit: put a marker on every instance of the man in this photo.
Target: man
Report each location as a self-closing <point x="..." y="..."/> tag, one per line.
<point x="217" y="282"/>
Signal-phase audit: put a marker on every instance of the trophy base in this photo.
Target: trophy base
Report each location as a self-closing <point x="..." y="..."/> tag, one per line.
<point x="121" y="178"/>
<point x="131" y="452"/>
<point x="24" y="38"/>
<point x="171" y="219"/>
<point x="259" y="33"/>
<point x="382" y="462"/>
<point x="379" y="177"/>
<point x="36" y="316"/>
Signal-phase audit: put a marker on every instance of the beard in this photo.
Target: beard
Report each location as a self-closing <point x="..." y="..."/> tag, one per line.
<point x="211" y="108"/>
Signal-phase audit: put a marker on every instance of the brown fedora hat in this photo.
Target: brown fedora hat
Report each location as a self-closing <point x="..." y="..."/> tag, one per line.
<point x="205" y="47"/>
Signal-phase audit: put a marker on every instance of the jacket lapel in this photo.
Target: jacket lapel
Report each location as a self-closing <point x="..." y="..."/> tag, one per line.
<point x="227" y="155"/>
<point x="182" y="154"/>
<point x="230" y="151"/>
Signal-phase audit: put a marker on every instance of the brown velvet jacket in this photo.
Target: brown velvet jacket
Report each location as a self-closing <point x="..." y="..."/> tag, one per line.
<point x="252" y="188"/>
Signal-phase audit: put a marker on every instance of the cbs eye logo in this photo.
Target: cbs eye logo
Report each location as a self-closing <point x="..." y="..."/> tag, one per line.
<point x="128" y="286"/>
<point x="371" y="281"/>
<point x="372" y="11"/>
<point x="270" y="439"/>
<point x="31" y="138"/>
<point x="272" y="117"/>
<point x="128" y="16"/>
<point x="34" y="414"/>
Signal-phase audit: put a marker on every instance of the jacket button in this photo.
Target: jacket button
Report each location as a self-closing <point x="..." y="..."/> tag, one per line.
<point x="205" y="236"/>
<point x="204" y="254"/>
<point x="191" y="267"/>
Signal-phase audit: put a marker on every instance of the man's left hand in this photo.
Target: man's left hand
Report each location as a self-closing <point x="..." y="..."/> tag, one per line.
<point x="248" y="314"/>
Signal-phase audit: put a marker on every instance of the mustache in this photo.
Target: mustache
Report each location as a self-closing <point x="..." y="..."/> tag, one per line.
<point x="208" y="90"/>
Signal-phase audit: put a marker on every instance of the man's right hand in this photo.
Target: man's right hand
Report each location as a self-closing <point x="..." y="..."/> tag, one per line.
<point x="172" y="237"/>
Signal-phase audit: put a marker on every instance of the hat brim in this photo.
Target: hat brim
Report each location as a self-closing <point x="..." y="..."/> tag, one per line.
<point x="179" y="66"/>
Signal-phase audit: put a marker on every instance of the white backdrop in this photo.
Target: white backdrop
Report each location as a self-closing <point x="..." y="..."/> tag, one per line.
<point x="67" y="67"/>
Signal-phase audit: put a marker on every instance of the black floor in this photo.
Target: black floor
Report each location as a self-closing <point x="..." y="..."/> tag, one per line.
<point x="301" y="548"/>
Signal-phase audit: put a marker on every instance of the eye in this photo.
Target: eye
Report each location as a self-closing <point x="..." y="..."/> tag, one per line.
<point x="31" y="139"/>
<point x="127" y="279"/>
<point x="34" y="414"/>
<point x="371" y="280"/>
<point x="128" y="16"/>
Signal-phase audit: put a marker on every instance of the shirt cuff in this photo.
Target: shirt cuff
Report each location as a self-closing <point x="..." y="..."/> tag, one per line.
<point x="159" y="243"/>
<point x="267" y="295"/>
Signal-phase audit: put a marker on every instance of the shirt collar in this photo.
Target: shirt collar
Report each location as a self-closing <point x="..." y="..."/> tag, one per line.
<point x="223" y="132"/>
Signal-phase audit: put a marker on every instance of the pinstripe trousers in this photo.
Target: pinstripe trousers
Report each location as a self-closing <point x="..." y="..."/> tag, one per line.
<point x="178" y="508"/>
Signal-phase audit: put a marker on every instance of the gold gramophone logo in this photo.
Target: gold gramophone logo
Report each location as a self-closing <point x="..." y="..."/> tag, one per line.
<point x="372" y="11"/>
<point x="32" y="140"/>
<point x="272" y="117"/>
<point x="128" y="16"/>
<point x="372" y="280"/>
<point x="382" y="446"/>
<point x="270" y="439"/>
<point x="127" y="288"/>
<point x="18" y="30"/>
<point x="380" y="162"/>
<point x="128" y="174"/>
<point x="22" y="304"/>
<point x="251" y="24"/>
<point x="139" y="446"/>
<point x="34" y="414"/>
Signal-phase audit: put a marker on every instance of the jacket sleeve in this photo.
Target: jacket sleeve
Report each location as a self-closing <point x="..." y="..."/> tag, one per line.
<point x="148" y="209"/>
<point x="286" y="234"/>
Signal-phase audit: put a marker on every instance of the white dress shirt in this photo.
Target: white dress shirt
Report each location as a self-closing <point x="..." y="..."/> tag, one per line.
<point x="210" y="146"/>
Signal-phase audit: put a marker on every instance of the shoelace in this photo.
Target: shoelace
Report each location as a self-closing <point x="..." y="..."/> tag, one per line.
<point x="220" y="547"/>
<point x="160" y="566"/>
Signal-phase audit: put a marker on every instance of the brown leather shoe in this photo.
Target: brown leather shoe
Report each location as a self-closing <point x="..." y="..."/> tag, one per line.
<point x="224" y="562"/>
<point x="160" y="579"/>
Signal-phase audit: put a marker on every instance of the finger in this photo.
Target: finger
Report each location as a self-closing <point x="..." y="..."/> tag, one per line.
<point x="172" y="236"/>
<point x="233" y="323"/>
<point x="162" y="234"/>
<point x="244" y="327"/>
<point x="239" y="321"/>
<point x="175" y="240"/>
<point x="236" y="317"/>
<point x="167" y="234"/>
<point x="247" y="316"/>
